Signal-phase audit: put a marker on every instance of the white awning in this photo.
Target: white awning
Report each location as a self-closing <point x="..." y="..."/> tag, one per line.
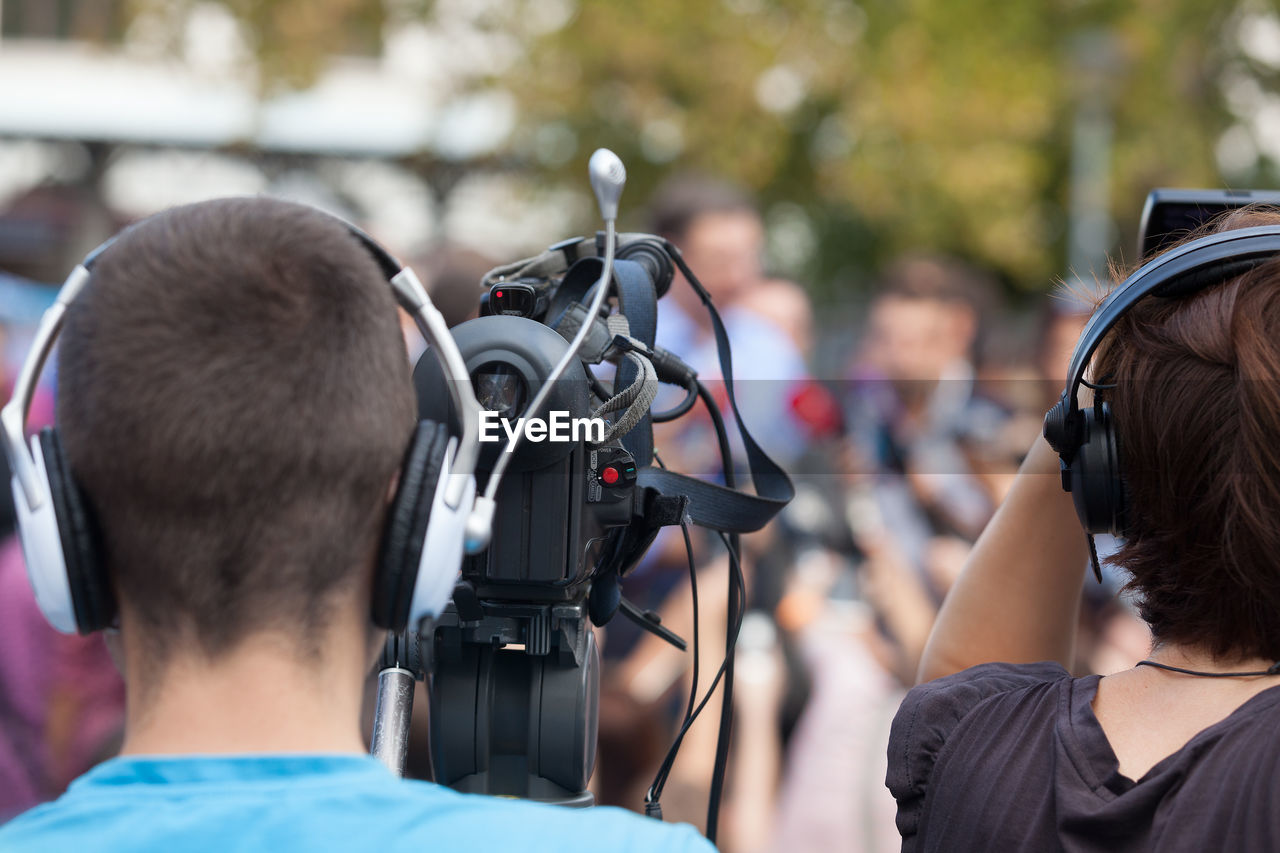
<point x="58" y="90"/>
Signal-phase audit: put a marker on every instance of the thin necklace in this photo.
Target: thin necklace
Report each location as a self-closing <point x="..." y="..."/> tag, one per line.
<point x="1274" y="669"/>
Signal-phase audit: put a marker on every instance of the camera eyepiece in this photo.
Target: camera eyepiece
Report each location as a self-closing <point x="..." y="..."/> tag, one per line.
<point x="500" y="388"/>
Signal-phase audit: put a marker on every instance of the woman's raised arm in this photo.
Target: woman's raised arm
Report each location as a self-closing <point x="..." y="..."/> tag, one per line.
<point x="1018" y="597"/>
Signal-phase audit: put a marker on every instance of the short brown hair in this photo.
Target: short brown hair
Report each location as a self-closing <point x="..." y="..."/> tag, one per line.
<point x="234" y="399"/>
<point x="1197" y="413"/>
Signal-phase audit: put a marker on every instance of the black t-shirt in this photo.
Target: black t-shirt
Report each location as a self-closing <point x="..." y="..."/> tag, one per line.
<point x="1011" y="757"/>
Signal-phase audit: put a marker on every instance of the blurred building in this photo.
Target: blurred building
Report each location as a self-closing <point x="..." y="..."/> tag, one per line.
<point x="106" y="117"/>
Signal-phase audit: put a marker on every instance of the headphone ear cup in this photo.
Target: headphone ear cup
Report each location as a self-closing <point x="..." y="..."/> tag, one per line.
<point x="1097" y="488"/>
<point x="1055" y="428"/>
<point x="92" y="599"/>
<point x="408" y="518"/>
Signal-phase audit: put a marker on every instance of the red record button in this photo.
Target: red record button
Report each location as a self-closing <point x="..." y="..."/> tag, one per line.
<point x="609" y="475"/>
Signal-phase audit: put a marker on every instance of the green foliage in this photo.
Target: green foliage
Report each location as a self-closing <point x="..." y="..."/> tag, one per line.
<point x="893" y="124"/>
<point x="928" y="124"/>
<point x="293" y="39"/>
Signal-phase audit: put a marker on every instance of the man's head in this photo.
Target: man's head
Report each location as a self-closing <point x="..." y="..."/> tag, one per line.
<point x="928" y="314"/>
<point x="1196" y="409"/>
<point x="717" y="228"/>
<point x="234" y="400"/>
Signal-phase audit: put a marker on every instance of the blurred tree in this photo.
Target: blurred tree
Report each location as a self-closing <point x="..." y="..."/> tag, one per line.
<point x="893" y="125"/>
<point x="866" y="128"/>
<point x="291" y="39"/>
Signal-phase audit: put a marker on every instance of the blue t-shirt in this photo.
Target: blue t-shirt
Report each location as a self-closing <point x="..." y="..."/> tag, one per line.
<point x="312" y="802"/>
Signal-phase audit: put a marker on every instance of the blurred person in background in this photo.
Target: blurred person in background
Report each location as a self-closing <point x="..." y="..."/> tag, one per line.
<point x="860" y="612"/>
<point x="914" y="498"/>
<point x="769" y="322"/>
<point x="7" y="518"/>
<point x="880" y="540"/>
<point x="451" y="273"/>
<point x="1110" y="632"/>
<point x="61" y="697"/>
<point x="863" y="610"/>
<point x="914" y="402"/>
<point x="1028" y="384"/>
<point x="1023" y="382"/>
<point x="718" y="229"/>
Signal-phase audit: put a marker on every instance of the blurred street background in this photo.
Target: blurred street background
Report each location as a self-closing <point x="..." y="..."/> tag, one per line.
<point x="904" y="208"/>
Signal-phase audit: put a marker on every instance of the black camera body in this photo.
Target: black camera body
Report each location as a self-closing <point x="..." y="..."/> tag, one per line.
<point x="561" y="496"/>
<point x="512" y="662"/>
<point x="1170" y="215"/>
<point x="512" y="665"/>
<point x="570" y="501"/>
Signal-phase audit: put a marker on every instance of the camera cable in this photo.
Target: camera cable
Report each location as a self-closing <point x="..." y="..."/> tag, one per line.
<point x="734" y="615"/>
<point x="736" y="610"/>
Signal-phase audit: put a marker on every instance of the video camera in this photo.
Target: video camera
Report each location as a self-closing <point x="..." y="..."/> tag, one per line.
<point x="512" y="665"/>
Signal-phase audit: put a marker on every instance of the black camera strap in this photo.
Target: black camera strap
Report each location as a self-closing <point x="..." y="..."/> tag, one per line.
<point x="710" y="505"/>
<point x="553" y="262"/>
<point x="715" y="506"/>
<point x="639" y="304"/>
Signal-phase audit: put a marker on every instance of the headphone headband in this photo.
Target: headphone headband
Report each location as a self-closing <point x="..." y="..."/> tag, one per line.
<point x="13" y="418"/>
<point x="1190" y="268"/>
<point x="1086" y="441"/>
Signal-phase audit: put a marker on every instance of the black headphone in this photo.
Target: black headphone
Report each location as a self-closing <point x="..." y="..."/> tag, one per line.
<point x="434" y="515"/>
<point x="1085" y="440"/>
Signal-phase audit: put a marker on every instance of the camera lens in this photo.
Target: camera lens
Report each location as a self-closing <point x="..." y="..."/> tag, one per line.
<point x="499" y="388"/>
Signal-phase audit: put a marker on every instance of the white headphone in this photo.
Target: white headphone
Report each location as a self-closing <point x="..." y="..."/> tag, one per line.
<point x="435" y="515"/>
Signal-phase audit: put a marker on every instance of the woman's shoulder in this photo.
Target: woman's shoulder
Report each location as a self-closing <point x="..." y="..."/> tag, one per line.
<point x="954" y="696"/>
<point x="931" y="713"/>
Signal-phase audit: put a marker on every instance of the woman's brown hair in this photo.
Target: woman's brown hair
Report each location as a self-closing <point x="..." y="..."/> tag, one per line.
<point x="1196" y="406"/>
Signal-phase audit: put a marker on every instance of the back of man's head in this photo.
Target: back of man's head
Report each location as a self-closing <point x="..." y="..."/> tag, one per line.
<point x="234" y="399"/>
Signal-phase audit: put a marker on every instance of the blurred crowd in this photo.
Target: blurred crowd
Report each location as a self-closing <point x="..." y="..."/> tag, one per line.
<point x="900" y="450"/>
